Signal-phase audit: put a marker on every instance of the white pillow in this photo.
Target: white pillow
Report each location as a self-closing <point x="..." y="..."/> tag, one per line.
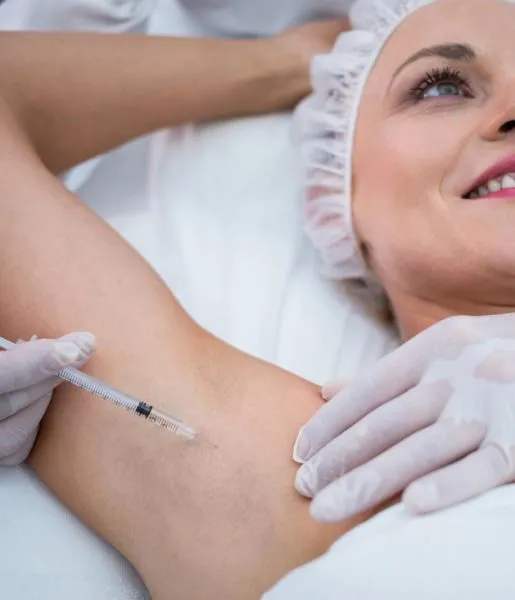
<point x="463" y="552"/>
<point x="227" y="237"/>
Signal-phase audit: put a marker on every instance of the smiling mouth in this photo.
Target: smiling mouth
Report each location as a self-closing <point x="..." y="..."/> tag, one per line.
<point x="503" y="186"/>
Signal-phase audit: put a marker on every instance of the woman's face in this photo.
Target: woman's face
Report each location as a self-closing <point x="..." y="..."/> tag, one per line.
<point x="438" y="112"/>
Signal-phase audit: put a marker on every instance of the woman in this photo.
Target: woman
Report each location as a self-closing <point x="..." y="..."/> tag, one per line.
<point x="438" y="245"/>
<point x="425" y="111"/>
<point x="217" y="518"/>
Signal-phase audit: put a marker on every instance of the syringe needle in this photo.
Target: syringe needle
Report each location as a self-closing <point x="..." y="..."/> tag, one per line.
<point x="107" y="392"/>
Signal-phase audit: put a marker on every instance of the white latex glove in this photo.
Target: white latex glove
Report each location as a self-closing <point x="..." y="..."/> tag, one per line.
<point x="27" y="378"/>
<point x="435" y="418"/>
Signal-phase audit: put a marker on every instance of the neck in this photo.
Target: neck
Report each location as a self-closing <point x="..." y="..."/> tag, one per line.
<point x="415" y="313"/>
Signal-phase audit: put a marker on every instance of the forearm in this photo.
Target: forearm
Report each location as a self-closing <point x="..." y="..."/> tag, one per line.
<point x="79" y="95"/>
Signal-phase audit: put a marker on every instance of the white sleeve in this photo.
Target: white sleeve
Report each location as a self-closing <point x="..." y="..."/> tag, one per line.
<point x="113" y="16"/>
<point x="463" y="552"/>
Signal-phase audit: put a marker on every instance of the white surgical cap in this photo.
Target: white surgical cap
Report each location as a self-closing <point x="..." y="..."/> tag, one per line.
<point x="326" y="122"/>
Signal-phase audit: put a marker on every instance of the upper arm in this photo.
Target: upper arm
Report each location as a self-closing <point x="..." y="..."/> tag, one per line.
<point x="182" y="512"/>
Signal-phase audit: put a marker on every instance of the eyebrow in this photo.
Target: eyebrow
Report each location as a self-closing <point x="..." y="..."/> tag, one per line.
<point x="462" y="52"/>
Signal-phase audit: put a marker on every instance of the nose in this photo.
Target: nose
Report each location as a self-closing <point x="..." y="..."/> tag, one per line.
<point x="499" y="121"/>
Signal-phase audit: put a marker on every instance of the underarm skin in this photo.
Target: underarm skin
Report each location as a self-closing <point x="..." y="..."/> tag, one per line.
<point x="216" y="518"/>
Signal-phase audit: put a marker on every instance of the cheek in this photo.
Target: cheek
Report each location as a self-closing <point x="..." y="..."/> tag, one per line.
<point x="399" y="167"/>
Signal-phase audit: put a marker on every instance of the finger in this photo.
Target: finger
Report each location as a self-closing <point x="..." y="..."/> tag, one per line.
<point x="16" y="430"/>
<point x="21" y="454"/>
<point x="85" y="341"/>
<point x="14" y="402"/>
<point x="473" y="475"/>
<point x="374" y="434"/>
<point x="32" y="362"/>
<point x="388" y="474"/>
<point x="331" y="388"/>
<point x="393" y="375"/>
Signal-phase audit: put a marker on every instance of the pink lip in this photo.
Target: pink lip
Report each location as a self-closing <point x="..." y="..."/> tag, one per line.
<point x="509" y="193"/>
<point x="502" y="167"/>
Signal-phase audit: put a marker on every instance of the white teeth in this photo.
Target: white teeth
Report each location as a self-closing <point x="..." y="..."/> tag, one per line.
<point x="508" y="181"/>
<point x="494" y="185"/>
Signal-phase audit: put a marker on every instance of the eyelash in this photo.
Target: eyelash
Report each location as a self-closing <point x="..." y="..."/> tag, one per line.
<point x="436" y="76"/>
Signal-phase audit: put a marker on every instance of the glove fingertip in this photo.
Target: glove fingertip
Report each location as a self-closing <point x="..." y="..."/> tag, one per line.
<point x="303" y="484"/>
<point x="325" y="509"/>
<point x="299" y="449"/>
<point x="84" y="340"/>
<point x="21" y="453"/>
<point x="331" y="388"/>
<point x="66" y="353"/>
<point x="421" y="498"/>
<point x="302" y="447"/>
<point x="72" y="350"/>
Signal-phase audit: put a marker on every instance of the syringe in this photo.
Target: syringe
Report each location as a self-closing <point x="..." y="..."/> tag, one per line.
<point x="105" y="391"/>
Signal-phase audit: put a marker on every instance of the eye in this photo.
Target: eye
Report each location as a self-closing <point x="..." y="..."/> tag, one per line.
<point x="442" y="89"/>
<point x="441" y="83"/>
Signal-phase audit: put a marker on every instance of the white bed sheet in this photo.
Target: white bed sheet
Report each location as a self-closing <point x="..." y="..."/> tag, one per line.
<point x="462" y="552"/>
<point x="221" y="224"/>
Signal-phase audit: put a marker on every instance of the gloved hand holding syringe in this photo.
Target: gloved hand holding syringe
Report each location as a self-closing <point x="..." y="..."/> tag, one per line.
<point x="99" y="388"/>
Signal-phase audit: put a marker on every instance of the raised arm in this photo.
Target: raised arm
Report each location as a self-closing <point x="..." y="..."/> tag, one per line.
<point x="215" y="518"/>
<point x="80" y="94"/>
